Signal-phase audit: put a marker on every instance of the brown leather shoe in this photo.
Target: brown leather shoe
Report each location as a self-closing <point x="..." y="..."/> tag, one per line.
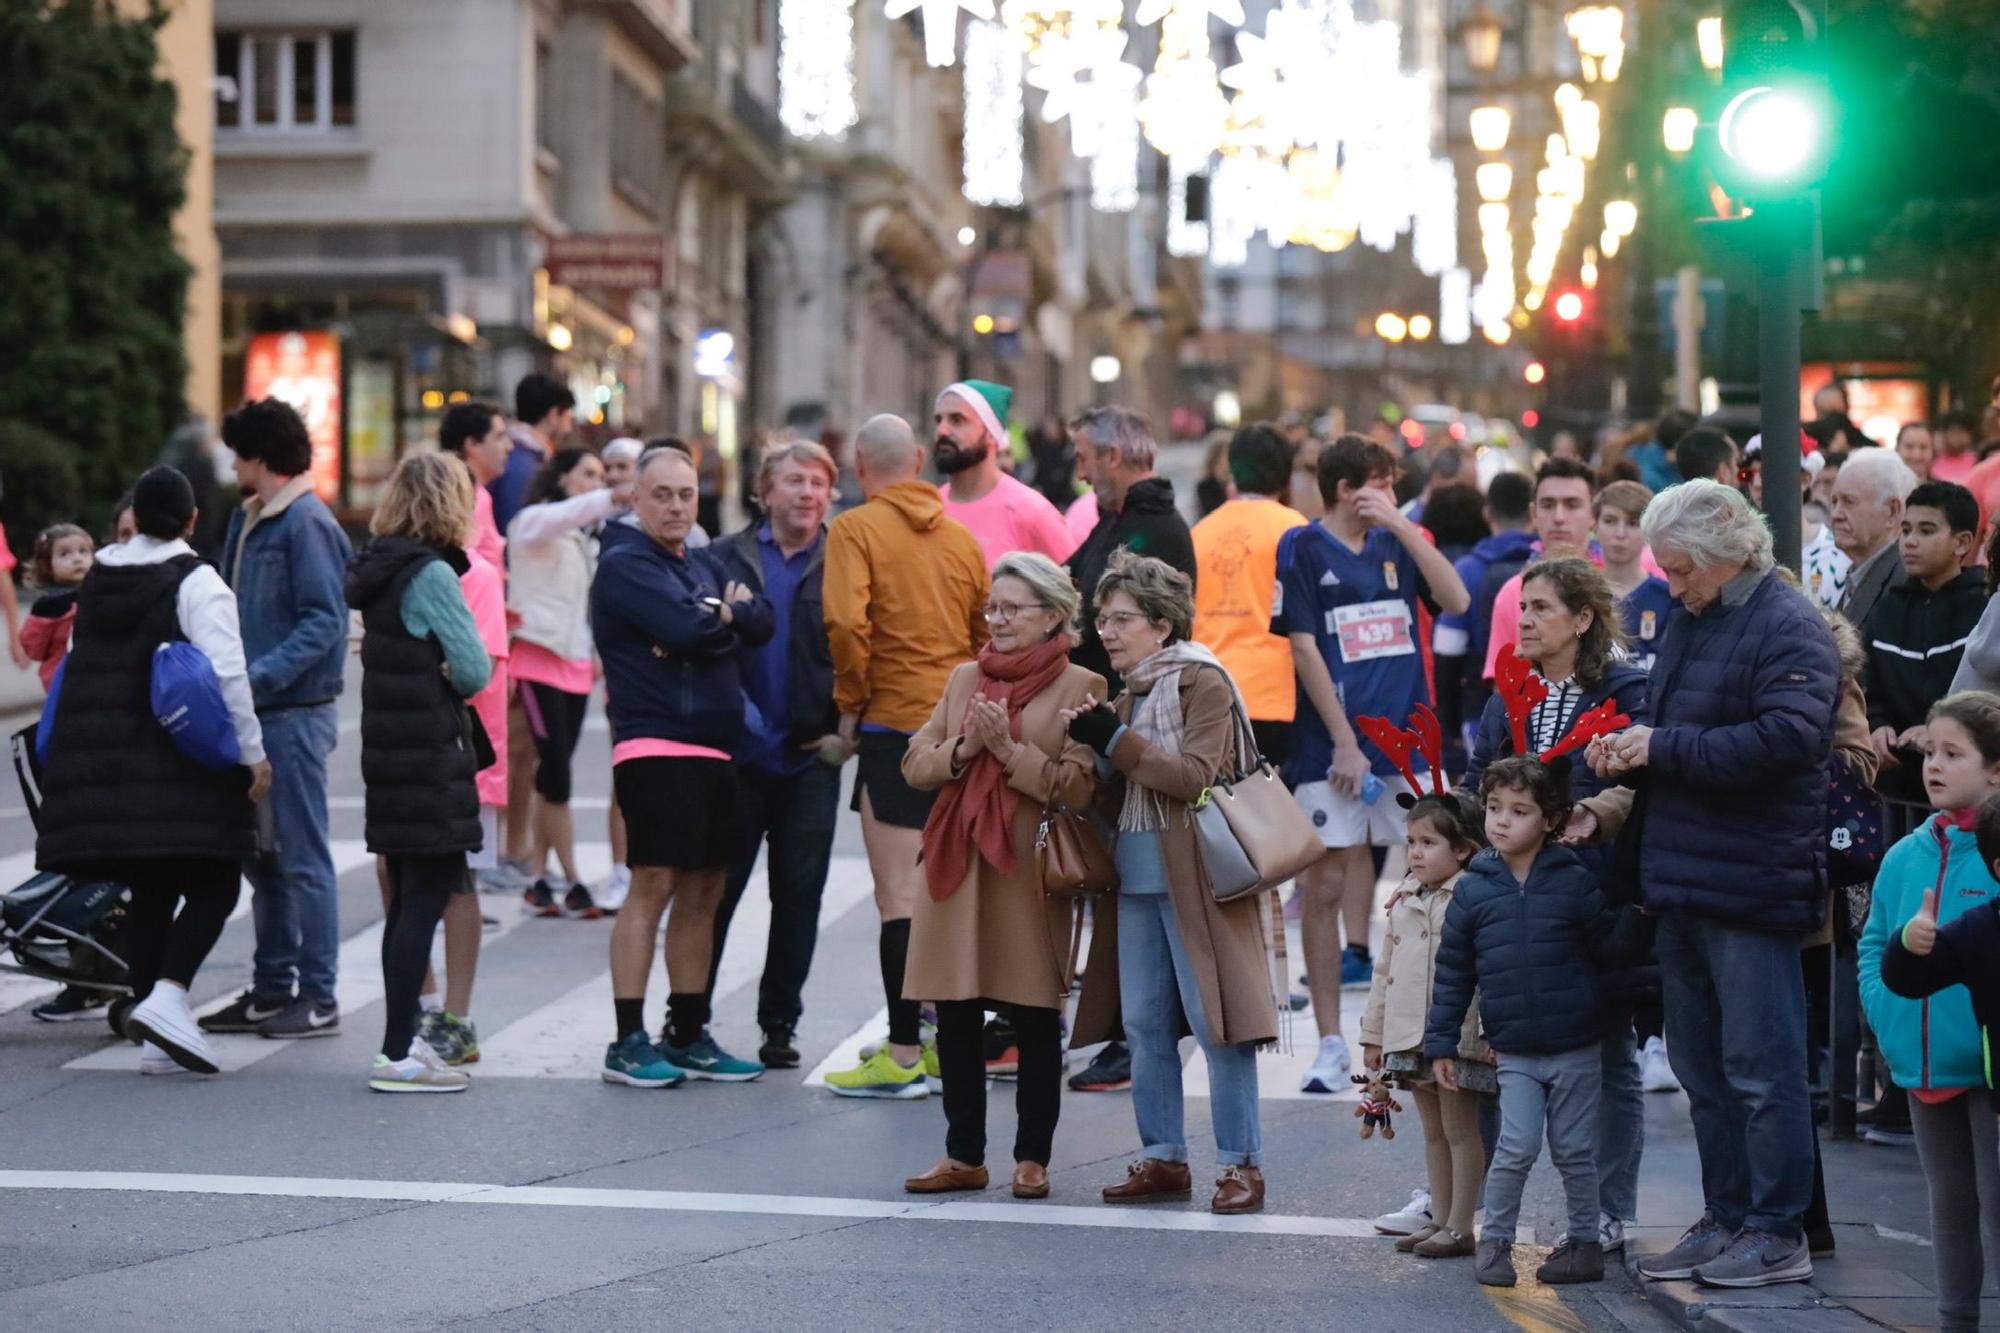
<point x="1031" y="1180"/>
<point x="945" y="1177"/>
<point x="1240" y="1190"/>
<point x="1149" y="1180"/>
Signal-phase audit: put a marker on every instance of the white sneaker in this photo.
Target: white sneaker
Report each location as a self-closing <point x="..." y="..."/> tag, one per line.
<point x="164" y="1019"/>
<point x="1408" y="1220"/>
<point x="1655" y="1074"/>
<point x="422" y="1070"/>
<point x="153" y="1060"/>
<point x="1330" y="1068"/>
<point x="611" y="895"/>
<point x="1610" y="1233"/>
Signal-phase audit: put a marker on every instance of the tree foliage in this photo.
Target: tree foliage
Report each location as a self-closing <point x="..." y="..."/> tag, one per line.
<point x="92" y="369"/>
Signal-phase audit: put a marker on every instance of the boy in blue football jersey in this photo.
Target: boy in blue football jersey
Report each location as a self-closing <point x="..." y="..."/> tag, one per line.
<point x="1643" y="598"/>
<point x="1348" y="587"/>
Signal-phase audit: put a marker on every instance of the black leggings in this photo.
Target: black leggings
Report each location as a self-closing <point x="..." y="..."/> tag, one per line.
<point x="555" y="720"/>
<point x="961" y="1050"/>
<point x="419" y="888"/>
<point x="160" y="944"/>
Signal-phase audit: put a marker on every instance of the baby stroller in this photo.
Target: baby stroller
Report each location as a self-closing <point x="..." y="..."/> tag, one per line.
<point x="60" y="928"/>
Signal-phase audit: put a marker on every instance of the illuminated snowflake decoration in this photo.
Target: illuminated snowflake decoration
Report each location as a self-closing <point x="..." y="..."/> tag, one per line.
<point x="940" y="23"/>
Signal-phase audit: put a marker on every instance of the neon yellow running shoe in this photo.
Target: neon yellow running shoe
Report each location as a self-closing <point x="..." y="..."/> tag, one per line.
<point x="933" y="1076"/>
<point x="881" y="1076"/>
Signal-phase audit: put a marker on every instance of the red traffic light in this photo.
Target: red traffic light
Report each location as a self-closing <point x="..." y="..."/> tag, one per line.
<point x="1530" y="419"/>
<point x="1569" y="307"/>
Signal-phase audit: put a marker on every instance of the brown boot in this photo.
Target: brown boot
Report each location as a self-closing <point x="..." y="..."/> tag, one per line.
<point x="945" y="1177"/>
<point x="1031" y="1180"/>
<point x="1149" y="1180"/>
<point x="1240" y="1190"/>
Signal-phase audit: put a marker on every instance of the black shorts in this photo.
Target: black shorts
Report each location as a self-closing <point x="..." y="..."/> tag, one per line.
<point x="880" y="774"/>
<point x="679" y="813"/>
<point x="1274" y="741"/>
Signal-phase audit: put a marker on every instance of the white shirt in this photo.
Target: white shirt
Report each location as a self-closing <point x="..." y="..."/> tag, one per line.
<point x="1826" y="568"/>
<point x="206" y="610"/>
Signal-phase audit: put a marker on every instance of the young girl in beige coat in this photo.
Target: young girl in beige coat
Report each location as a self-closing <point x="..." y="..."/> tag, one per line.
<point x="1442" y="835"/>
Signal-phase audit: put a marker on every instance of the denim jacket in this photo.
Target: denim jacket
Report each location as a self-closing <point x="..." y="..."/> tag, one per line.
<point x="288" y="570"/>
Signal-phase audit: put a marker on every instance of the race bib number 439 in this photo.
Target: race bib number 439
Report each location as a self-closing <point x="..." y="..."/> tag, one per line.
<point x="1371" y="630"/>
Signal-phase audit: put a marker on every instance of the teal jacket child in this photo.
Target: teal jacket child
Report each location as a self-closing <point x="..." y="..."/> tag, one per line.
<point x="1934" y="1042"/>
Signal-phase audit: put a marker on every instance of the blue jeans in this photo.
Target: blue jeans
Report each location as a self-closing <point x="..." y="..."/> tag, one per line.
<point x="1736" y="1034"/>
<point x="1556" y="1093"/>
<point x="1621" y="1124"/>
<point x="296" y="902"/>
<point x="1153" y="969"/>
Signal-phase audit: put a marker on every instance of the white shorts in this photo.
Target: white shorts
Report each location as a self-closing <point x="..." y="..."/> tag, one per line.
<point x="1349" y="821"/>
<point x="488" y="855"/>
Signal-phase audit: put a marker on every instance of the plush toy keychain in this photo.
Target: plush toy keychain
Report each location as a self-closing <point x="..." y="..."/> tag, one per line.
<point x="1376" y="1104"/>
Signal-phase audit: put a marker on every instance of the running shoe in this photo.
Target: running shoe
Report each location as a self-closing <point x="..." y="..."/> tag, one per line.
<point x="1357" y="969"/>
<point x="1330" y="1067"/>
<point x="540" y="900"/>
<point x="422" y="1070"/>
<point x="635" y="1062"/>
<point x="703" y="1059"/>
<point x="780" y="1049"/>
<point x="881" y="1076"/>
<point x="1003" y="1048"/>
<point x="455" y="1039"/>
<point x="1757" y="1259"/>
<point x="303" y="1018"/>
<point x="611" y="894"/>
<point x="1411" y="1218"/>
<point x="1610" y="1233"/>
<point x="1110" y="1071"/>
<point x="578" y="903"/>
<point x="1655" y="1073"/>
<point x="509" y="876"/>
<point x="164" y="1019"/>
<point x="246" y="1013"/>
<point x="71" y="1003"/>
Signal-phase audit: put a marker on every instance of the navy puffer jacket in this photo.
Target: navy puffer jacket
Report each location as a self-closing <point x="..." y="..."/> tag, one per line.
<point x="1731" y="817"/>
<point x="1531" y="951"/>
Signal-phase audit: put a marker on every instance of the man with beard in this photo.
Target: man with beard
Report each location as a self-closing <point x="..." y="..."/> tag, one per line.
<point x="1004" y="514"/>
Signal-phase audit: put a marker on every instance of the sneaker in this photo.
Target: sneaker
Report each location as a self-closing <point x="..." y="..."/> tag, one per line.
<point x="578" y="903"/>
<point x="637" y="1063"/>
<point x="153" y="1060"/>
<point x="933" y="1074"/>
<point x="71" y="1003"/>
<point x="422" y="1070"/>
<point x="1703" y="1241"/>
<point x="164" y="1019"/>
<point x="245" y="1013"/>
<point x="1411" y="1218"/>
<point x="507" y="877"/>
<point x="1572" y="1261"/>
<point x="1110" y="1071"/>
<point x="611" y="893"/>
<point x="778" y="1050"/>
<point x="1003" y="1048"/>
<point x="703" y="1059"/>
<point x="881" y="1076"/>
<point x="1357" y="969"/>
<point x="1610" y="1233"/>
<point x="538" y="899"/>
<point x="1655" y="1074"/>
<point x="303" y="1018"/>
<point x="1330" y="1067"/>
<point x="1495" y="1264"/>
<point x="455" y="1039"/>
<point x="1890" y="1136"/>
<point x="1757" y="1259"/>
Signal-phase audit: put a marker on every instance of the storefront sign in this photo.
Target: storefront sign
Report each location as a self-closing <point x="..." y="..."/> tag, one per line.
<point x="624" y="262"/>
<point x="303" y="369"/>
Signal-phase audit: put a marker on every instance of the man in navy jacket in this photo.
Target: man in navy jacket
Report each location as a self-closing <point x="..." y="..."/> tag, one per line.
<point x="1729" y="830"/>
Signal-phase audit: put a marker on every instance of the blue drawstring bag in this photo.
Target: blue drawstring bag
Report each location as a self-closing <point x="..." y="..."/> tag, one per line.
<point x="48" y="722"/>
<point x="187" y="701"/>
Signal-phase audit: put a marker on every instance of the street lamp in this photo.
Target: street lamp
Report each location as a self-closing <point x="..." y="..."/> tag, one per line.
<point x="1621" y="217"/>
<point x="1105" y="369"/>
<point x="1489" y="128"/>
<point x="1420" y="327"/>
<point x="1708" y="39"/>
<point x="1391" y="327"/>
<point x="1678" y="127"/>
<point x="1481" y="32"/>
<point x="1495" y="181"/>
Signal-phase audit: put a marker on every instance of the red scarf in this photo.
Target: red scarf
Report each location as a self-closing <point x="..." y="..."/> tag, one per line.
<point x="976" y="809"/>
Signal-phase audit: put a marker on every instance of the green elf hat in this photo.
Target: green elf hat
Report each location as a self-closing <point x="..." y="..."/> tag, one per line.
<point x="987" y="400"/>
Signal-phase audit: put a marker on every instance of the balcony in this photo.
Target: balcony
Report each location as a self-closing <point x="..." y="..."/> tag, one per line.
<point x="658" y="26"/>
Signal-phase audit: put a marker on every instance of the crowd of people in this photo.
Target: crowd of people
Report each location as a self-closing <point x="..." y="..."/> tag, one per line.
<point x="1641" y="784"/>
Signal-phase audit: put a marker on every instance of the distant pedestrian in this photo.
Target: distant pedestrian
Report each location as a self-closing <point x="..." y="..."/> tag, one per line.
<point x="544" y="418"/>
<point x="477" y="432"/>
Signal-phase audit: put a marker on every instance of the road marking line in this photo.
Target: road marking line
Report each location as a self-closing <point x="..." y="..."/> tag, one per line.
<point x="680" y="1201"/>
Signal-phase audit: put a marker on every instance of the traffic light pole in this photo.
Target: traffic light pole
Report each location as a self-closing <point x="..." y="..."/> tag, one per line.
<point x="1778" y="291"/>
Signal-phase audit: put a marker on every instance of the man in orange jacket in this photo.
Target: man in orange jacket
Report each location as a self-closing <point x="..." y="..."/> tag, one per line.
<point x="905" y="588"/>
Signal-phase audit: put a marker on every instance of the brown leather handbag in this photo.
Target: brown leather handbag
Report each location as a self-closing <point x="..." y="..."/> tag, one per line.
<point x="1071" y="856"/>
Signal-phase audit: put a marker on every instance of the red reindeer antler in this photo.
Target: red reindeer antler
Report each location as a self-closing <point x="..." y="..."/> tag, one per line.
<point x="1392" y="741"/>
<point x="1589" y="725"/>
<point x="1430" y="744"/>
<point x="1520" y="689"/>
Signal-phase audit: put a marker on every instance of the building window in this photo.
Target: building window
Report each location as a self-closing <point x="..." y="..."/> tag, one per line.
<point x="638" y="143"/>
<point x="297" y="81"/>
<point x="545" y="106"/>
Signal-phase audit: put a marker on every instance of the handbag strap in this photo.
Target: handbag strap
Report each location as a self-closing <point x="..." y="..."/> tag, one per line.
<point x="1247" y="758"/>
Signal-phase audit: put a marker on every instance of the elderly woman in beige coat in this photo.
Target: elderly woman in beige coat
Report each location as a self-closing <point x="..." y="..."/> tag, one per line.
<point x="997" y="750"/>
<point x="1169" y="947"/>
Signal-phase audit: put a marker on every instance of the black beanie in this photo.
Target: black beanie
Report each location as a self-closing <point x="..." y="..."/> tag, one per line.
<point x="162" y="503"/>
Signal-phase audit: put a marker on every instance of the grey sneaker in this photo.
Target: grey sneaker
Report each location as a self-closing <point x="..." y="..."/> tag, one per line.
<point x="1705" y="1240"/>
<point x="1758" y="1259"/>
<point x="1572" y="1261"/>
<point x="1495" y="1265"/>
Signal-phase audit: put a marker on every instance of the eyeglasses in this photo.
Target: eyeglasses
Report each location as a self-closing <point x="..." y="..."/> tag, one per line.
<point x="999" y="613"/>
<point x="1117" y="620"/>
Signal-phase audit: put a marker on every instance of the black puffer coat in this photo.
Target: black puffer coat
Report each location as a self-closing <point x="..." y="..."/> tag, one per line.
<point x="1531" y="951"/>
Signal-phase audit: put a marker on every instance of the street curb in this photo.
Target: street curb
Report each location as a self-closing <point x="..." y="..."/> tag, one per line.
<point x="1794" y="1307"/>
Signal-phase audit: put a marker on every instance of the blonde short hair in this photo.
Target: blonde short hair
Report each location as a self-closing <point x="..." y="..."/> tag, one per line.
<point x="1051" y="584"/>
<point x="809" y="452"/>
<point x="429" y="497"/>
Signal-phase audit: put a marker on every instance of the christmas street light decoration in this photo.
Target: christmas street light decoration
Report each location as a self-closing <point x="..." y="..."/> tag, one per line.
<point x="1489" y="125"/>
<point x="816" y="68"/>
<point x="940" y="23"/>
<point x="1085" y="81"/>
<point x="1195" y="11"/>
<point x="995" y="164"/>
<point x="1599" y="34"/>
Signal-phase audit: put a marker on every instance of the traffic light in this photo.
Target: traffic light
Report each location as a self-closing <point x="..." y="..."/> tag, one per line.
<point x="1775" y="123"/>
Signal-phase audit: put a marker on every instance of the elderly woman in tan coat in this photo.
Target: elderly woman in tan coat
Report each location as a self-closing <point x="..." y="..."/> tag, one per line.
<point x="998" y="752"/>
<point x="1169" y="947"/>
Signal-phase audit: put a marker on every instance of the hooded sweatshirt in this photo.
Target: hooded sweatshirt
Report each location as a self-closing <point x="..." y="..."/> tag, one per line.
<point x="1148" y="524"/>
<point x="904" y="591"/>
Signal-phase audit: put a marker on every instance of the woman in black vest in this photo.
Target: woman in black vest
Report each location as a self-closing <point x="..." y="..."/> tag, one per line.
<point x="120" y="800"/>
<point x="421" y="658"/>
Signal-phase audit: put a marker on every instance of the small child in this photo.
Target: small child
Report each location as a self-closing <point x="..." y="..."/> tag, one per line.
<point x="1528" y="930"/>
<point x="1931" y="925"/>
<point x="1443" y="832"/>
<point x="63" y="556"/>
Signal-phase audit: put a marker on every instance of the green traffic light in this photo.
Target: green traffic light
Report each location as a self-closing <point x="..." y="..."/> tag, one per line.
<point x="1770" y="133"/>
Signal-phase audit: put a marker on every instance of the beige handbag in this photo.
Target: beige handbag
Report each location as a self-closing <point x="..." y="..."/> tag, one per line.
<point x="1251" y="832"/>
